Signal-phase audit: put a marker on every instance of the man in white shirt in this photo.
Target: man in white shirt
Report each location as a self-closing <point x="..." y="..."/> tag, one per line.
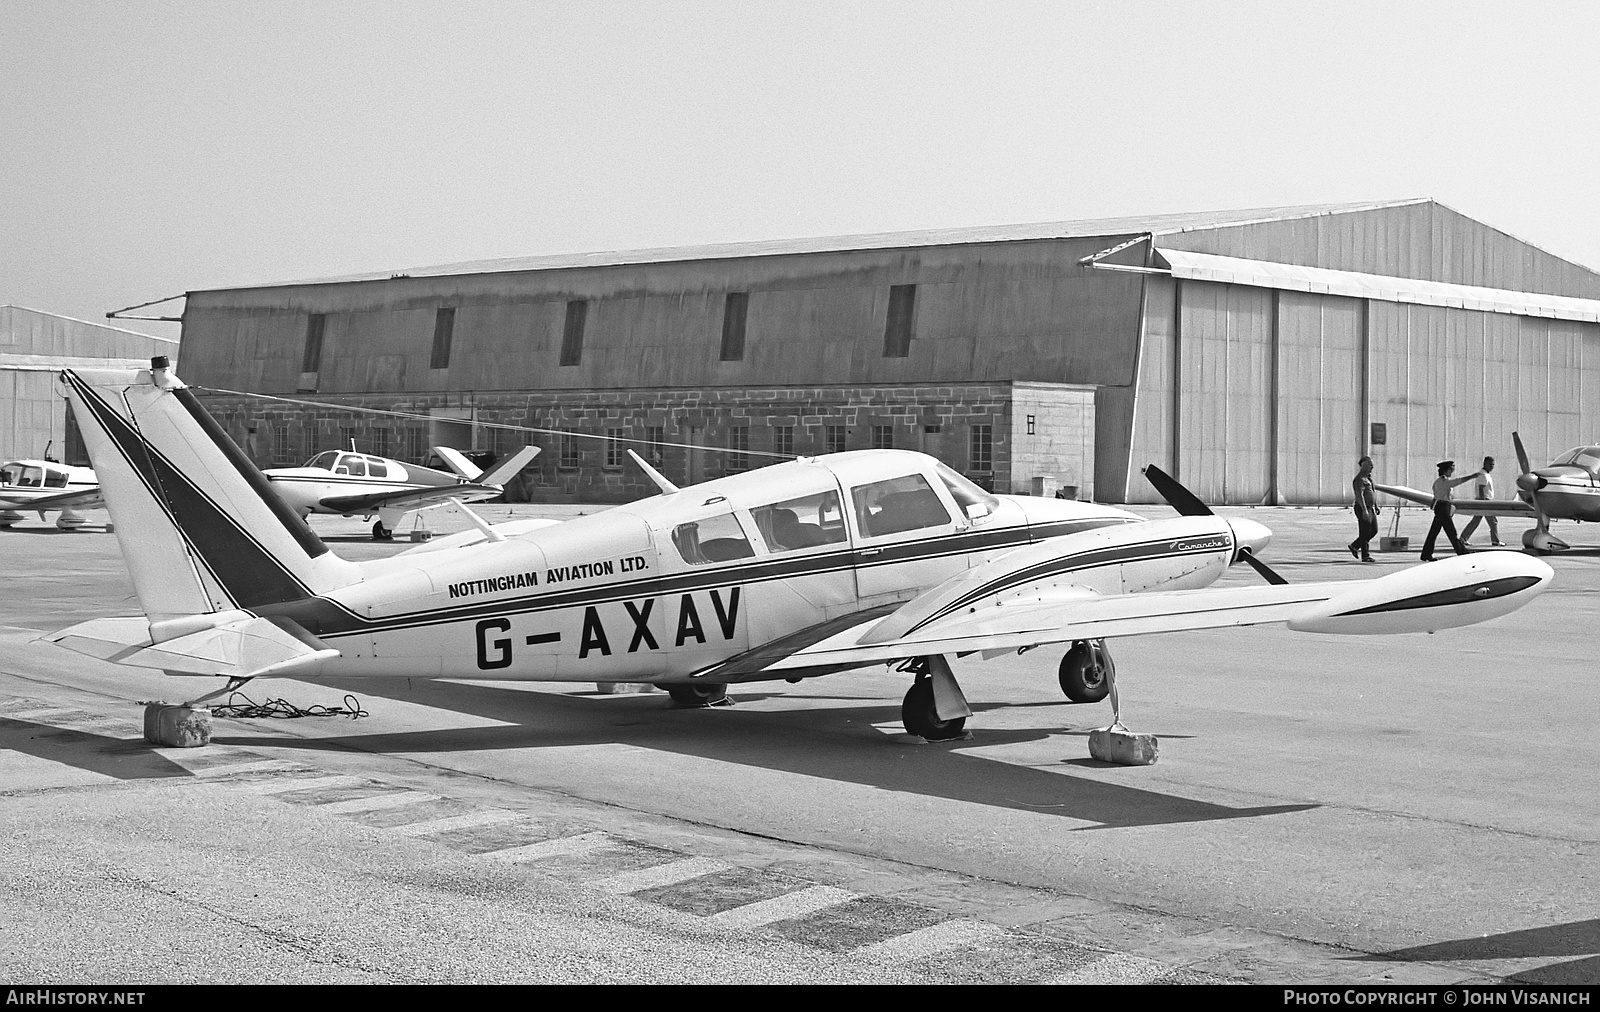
<point x="1484" y="489"/>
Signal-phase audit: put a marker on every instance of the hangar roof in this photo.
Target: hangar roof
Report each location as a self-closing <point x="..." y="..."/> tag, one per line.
<point x="1158" y="224"/>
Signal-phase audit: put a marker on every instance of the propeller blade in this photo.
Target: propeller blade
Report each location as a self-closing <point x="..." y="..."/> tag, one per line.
<point x="1179" y="498"/>
<point x="1261" y="568"/>
<point x="1523" y="467"/>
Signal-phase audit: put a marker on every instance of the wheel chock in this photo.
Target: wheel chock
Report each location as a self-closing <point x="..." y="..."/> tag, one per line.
<point x="176" y="725"/>
<point x="1123" y="747"/>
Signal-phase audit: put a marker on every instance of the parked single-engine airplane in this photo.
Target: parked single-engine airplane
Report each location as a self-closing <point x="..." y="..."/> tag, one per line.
<point x="794" y="570"/>
<point x="40" y="485"/>
<point x="346" y="483"/>
<point x="1569" y="489"/>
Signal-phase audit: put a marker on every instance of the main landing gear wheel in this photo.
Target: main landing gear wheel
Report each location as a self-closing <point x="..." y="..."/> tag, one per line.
<point x="1085" y="671"/>
<point x="918" y="714"/>
<point x="380" y="532"/>
<point x="699" y="694"/>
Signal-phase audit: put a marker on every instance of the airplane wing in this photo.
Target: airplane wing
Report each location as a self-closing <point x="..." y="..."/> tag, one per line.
<point x="84" y="499"/>
<point x="1471" y="507"/>
<point x="408" y="499"/>
<point x="949" y="620"/>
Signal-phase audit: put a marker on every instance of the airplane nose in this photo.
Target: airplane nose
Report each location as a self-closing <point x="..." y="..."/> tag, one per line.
<point x="1248" y="534"/>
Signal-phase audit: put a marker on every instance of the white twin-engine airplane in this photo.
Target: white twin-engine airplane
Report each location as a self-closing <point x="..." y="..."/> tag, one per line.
<point x="347" y="483"/>
<point x="794" y="570"/>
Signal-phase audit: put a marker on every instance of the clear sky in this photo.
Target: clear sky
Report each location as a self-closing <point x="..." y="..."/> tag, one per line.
<point x="158" y="147"/>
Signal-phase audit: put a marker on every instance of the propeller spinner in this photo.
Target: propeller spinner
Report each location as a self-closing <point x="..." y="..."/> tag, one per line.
<point x="1250" y="536"/>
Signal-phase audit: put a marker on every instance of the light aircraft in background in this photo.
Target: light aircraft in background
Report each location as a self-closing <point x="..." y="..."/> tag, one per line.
<point x="795" y="570"/>
<point x="347" y="483"/>
<point x="1568" y="489"/>
<point x="40" y="485"/>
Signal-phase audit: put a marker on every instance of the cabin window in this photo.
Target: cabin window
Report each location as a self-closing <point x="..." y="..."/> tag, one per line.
<point x="55" y="479"/>
<point x="896" y="505"/>
<point x="377" y="468"/>
<point x="32" y="477"/>
<point x="805" y="522"/>
<point x="352" y="465"/>
<point x="972" y="500"/>
<point x="715" y="539"/>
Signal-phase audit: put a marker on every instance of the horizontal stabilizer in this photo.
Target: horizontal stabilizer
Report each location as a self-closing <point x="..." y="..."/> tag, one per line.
<point x="508" y="468"/>
<point x="245" y="647"/>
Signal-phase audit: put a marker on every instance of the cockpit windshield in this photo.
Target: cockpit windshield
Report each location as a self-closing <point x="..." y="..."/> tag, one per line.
<point x="324" y="460"/>
<point x="974" y="501"/>
<point x="1586" y="457"/>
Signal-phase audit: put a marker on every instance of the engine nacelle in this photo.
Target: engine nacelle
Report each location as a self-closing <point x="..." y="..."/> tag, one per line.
<point x="1438" y="595"/>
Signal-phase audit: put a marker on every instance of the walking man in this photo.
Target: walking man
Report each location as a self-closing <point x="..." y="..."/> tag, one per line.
<point x="1366" y="511"/>
<point x="1443" y="487"/>
<point x="1484" y="489"/>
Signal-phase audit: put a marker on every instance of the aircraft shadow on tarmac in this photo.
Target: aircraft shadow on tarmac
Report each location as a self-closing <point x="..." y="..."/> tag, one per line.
<point x="1575" y="938"/>
<point x="122" y="758"/>
<point x="838" y="744"/>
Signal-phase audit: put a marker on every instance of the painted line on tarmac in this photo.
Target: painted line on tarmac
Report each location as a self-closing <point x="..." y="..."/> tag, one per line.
<point x="376" y="803"/>
<point x="931" y="941"/>
<point x="487" y="817"/>
<point x="258" y="766"/>
<point x="782" y="908"/>
<point x="286" y="785"/>
<point x="580" y="844"/>
<point x="659" y="875"/>
<point x="1118" y="968"/>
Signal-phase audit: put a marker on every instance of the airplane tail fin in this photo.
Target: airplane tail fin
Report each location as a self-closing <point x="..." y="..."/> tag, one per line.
<point x="201" y="528"/>
<point x="508" y="468"/>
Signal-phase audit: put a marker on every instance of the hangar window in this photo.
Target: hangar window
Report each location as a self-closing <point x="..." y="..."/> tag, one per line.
<point x="783" y="439"/>
<point x="717" y="539"/>
<point x="311" y="359"/>
<point x="444" y="327"/>
<point x="738" y="448"/>
<point x="897" y="328"/>
<point x="833" y="438"/>
<point x="570" y="456"/>
<point x="614" y="454"/>
<point x="883" y="437"/>
<point x="980" y="448"/>
<point x="654" y="436"/>
<point x="734" y="311"/>
<point x="281" y="451"/>
<point x="572" y="333"/>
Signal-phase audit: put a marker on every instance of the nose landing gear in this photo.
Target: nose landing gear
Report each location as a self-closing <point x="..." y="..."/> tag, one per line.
<point x="1086" y="671"/>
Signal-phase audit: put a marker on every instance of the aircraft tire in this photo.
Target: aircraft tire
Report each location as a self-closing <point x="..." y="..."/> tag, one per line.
<point x="697" y="693"/>
<point x="1083" y="672"/>
<point x="380" y="532"/>
<point x="921" y="718"/>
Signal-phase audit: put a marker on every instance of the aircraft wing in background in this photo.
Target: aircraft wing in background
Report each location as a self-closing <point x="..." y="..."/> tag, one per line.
<point x="1471" y="507"/>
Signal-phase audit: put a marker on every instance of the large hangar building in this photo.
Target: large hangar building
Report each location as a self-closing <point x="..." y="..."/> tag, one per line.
<point x="1255" y="354"/>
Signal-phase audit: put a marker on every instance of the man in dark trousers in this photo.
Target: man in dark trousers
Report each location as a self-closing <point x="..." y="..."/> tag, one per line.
<point x="1484" y="489"/>
<point x="1442" y="510"/>
<point x="1366" y="511"/>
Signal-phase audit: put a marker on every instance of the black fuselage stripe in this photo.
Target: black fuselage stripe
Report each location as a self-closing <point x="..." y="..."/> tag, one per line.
<point x="303" y="536"/>
<point x="245" y="570"/>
